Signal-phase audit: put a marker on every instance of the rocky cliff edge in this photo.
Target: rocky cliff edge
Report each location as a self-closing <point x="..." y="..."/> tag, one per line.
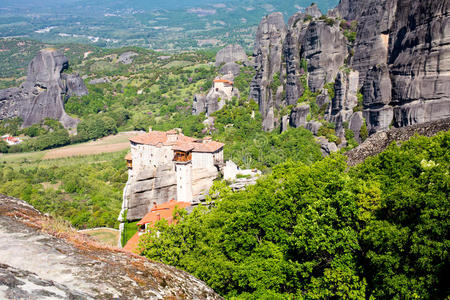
<point x="40" y="258"/>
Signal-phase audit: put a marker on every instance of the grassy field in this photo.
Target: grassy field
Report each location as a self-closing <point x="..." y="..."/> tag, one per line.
<point x="105" y="235"/>
<point x="109" y="144"/>
<point x="128" y="232"/>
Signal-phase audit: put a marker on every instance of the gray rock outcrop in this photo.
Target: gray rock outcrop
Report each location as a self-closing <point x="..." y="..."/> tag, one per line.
<point x="127" y="57"/>
<point x="313" y="11"/>
<point x="419" y="60"/>
<point x="291" y="53"/>
<point x="378" y="142"/>
<point x="344" y="101"/>
<point x="299" y="115"/>
<point x="38" y="262"/>
<point x="230" y="68"/>
<point x="231" y="54"/>
<point x="402" y="51"/>
<point x="326" y="147"/>
<point x="43" y="94"/>
<point x="99" y="80"/>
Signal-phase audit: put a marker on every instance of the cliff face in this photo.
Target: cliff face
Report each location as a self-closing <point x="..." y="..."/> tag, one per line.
<point x="43" y="94"/>
<point x="39" y="260"/>
<point x="147" y="186"/>
<point x="268" y="63"/>
<point x="398" y="60"/>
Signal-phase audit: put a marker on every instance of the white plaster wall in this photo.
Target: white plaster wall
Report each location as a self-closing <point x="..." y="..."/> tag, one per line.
<point x="202" y="160"/>
<point x="230" y="171"/>
<point x="147" y="155"/>
<point x="184" y="182"/>
<point x="226" y="88"/>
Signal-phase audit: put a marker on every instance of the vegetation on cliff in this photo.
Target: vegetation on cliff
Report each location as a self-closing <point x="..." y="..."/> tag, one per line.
<point x="378" y="229"/>
<point x="86" y="191"/>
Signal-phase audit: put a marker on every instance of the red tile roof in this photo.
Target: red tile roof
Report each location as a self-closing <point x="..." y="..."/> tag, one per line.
<point x="224" y="81"/>
<point x="128" y="157"/>
<point x="132" y="244"/>
<point x="183" y="147"/>
<point x="155" y="138"/>
<point x="158" y="212"/>
<point x="162" y="211"/>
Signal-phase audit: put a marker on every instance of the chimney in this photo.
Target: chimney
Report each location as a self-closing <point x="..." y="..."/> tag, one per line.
<point x="150" y="129"/>
<point x="207" y="139"/>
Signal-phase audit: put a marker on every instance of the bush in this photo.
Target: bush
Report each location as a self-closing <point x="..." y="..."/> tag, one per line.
<point x="3" y="147"/>
<point x="96" y="127"/>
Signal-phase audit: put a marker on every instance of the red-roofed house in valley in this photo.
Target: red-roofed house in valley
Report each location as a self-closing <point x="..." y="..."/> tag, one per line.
<point x="168" y="165"/>
<point x="10" y="140"/>
<point x="163" y="211"/>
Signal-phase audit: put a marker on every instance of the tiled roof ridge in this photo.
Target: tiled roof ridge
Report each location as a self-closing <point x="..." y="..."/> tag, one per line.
<point x="183" y="142"/>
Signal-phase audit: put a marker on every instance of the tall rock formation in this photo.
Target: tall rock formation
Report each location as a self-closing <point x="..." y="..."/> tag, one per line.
<point x="402" y="52"/>
<point x="389" y="62"/>
<point x="265" y="89"/>
<point x="291" y="53"/>
<point x="43" y="94"/>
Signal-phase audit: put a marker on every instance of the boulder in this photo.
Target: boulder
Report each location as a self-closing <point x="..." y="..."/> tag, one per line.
<point x="284" y="123"/>
<point x="127" y="57"/>
<point x="299" y="115"/>
<point x="99" y="80"/>
<point x="230" y="68"/>
<point x="199" y="104"/>
<point x="355" y="124"/>
<point x="74" y="85"/>
<point x="231" y="54"/>
<point x="313" y="126"/>
<point x="326" y="147"/>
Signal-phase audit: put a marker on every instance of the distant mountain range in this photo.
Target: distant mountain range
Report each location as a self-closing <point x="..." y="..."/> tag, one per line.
<point x="167" y="25"/>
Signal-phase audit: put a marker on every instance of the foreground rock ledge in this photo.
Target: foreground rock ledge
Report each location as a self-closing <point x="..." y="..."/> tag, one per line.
<point x="378" y="142"/>
<point x="68" y="265"/>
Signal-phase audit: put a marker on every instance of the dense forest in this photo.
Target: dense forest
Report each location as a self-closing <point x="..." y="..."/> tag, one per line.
<point x="377" y="230"/>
